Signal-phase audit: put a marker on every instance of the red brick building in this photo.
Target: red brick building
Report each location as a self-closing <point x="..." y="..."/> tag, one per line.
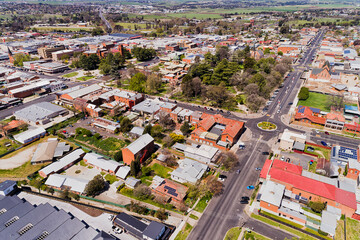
<point x="140" y="149"/>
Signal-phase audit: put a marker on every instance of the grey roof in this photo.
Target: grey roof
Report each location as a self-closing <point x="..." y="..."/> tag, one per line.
<point x="73" y="183"/>
<point x="137" y="131"/>
<point x="68" y="159"/>
<point x="140" y="143"/>
<point x="130" y="224"/>
<point x="61" y="148"/>
<point x="189" y="171"/>
<point x="39" y="111"/>
<point x="44" y="151"/>
<point x="299" y="146"/>
<point x="30" y="133"/>
<point x="328" y="222"/>
<point x="6" y="184"/>
<point x="84" y="91"/>
<point x="58" y="224"/>
<point x="99" y="161"/>
<point x="148" y="106"/>
<point x="272" y="193"/>
<point x="154" y="230"/>
<point x="122" y="172"/>
<point x="131" y="181"/>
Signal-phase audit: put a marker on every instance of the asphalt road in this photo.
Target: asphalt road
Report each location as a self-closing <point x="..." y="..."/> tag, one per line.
<point x="225" y="211"/>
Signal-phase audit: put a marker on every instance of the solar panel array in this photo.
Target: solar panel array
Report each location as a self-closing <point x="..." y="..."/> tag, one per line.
<point x="301" y="109"/>
<point x="347" y="153"/>
<point x="171" y="191"/>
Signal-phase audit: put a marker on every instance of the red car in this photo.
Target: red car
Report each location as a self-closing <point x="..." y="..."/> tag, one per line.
<point x="327" y="133"/>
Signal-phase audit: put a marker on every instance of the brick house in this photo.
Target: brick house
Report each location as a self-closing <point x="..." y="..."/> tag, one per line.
<point x="140" y="149"/>
<point x="171" y="191"/>
<point x="309" y="115"/>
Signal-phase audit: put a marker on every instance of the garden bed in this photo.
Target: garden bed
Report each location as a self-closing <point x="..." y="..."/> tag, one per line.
<point x="267" y="126"/>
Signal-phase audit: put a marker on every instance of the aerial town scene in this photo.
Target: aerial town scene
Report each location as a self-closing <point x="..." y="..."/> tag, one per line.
<point x="175" y="120"/>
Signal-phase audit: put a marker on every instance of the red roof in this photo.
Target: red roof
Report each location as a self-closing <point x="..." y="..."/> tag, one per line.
<point x="307" y="113"/>
<point x="315" y="187"/>
<point x="335" y="116"/>
<point x="353" y="126"/>
<point x="233" y="127"/>
<point x="278" y="164"/>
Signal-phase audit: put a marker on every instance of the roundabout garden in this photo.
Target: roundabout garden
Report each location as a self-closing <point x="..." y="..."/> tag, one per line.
<point x="267" y="126"/>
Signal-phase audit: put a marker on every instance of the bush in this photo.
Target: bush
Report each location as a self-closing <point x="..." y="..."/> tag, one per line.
<point x="303" y="94"/>
<point x="142" y="192"/>
<point x="161" y="214"/>
<point x="121" y="187"/>
<point x="322" y="233"/>
<point x="317" y="206"/>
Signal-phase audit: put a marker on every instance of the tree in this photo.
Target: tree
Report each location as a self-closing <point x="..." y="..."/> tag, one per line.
<point x="97" y="31"/>
<point x="252" y="88"/>
<point x="335" y="102"/>
<point x="153" y="83"/>
<point x="317" y="206"/>
<point x="142" y="192"/>
<point x="96" y="185"/>
<point x="229" y="160"/>
<point x="135" y="167"/>
<point x="65" y="195"/>
<point x="125" y="125"/>
<point x="161" y="214"/>
<point x="254" y="102"/>
<point x="156" y="131"/>
<point x="185" y="128"/>
<point x="143" y="54"/>
<point x="177" y="137"/>
<point x="249" y="63"/>
<point x="89" y="63"/>
<point x="20" y="58"/>
<point x="118" y="156"/>
<point x="166" y="121"/>
<point x="304" y="93"/>
<point x="137" y="82"/>
<point x="214" y="186"/>
<point x="147" y="129"/>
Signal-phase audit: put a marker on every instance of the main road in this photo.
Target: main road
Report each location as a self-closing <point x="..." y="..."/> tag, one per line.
<point x="225" y="211"/>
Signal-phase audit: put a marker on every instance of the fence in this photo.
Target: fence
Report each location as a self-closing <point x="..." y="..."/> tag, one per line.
<point x="317" y="145"/>
<point x="301" y="152"/>
<point x="289" y="225"/>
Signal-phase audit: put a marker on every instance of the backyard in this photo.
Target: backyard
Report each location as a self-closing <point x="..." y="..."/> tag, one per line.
<point x="4" y="148"/>
<point x="157" y="169"/>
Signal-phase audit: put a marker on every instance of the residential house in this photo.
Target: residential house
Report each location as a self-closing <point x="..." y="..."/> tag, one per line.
<point x="335" y="120"/>
<point x="12" y="126"/>
<point x="99" y="162"/>
<point x="288" y="139"/>
<point x="189" y="171"/>
<point x="309" y="115"/>
<point x="203" y="153"/>
<point x="171" y="191"/>
<point x="132" y="182"/>
<point x="123" y="172"/>
<point x="217" y="131"/>
<point x="136" y="132"/>
<point x="140" y="149"/>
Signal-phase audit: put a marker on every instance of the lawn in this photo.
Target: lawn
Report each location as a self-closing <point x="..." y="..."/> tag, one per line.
<point x="254" y="236"/>
<point x="84" y="78"/>
<point x="321" y="152"/>
<point x="352" y="229"/>
<point x="72" y="74"/>
<point x="312" y="167"/>
<point x="4" y="149"/>
<point x="111" y="178"/>
<point x="64" y="29"/>
<point x="233" y="234"/>
<point x="21" y="172"/>
<point x="132" y="25"/>
<point x="161" y="170"/>
<point x="316" y="100"/>
<point x="184" y="232"/>
<point x="203" y="202"/>
<point x="194" y="217"/>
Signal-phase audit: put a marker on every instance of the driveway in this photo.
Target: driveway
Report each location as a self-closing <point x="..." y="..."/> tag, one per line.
<point x="298" y="159"/>
<point x="19" y="159"/>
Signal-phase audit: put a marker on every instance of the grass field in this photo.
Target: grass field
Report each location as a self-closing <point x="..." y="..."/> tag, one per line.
<point x="233" y="234"/>
<point x="84" y="78"/>
<point x="161" y="171"/>
<point x="316" y="100"/>
<point x="21" y="172"/>
<point x="352" y="229"/>
<point x="72" y="74"/>
<point x="64" y="29"/>
<point x="321" y="152"/>
<point x="194" y="217"/>
<point x="111" y="178"/>
<point x="132" y="25"/>
<point x="4" y="149"/>
<point x="203" y="202"/>
<point x="254" y="236"/>
<point x="184" y="232"/>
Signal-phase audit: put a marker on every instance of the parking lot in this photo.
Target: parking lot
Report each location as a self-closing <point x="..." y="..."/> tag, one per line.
<point x="297" y="159"/>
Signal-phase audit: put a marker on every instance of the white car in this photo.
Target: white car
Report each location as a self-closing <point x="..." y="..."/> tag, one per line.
<point x="282" y="158"/>
<point x="317" y="131"/>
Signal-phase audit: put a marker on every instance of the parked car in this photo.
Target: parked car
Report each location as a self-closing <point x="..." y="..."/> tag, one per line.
<point x="282" y="158"/>
<point x="287" y="160"/>
<point x="244" y="202"/>
<point x="324" y="143"/>
<point x="222" y="177"/>
<point x="317" y="131"/>
<point x="258" y="169"/>
<point x="245" y="198"/>
<point x="238" y="171"/>
<point x="110" y="217"/>
<point x="327" y="133"/>
<point x="250" y="187"/>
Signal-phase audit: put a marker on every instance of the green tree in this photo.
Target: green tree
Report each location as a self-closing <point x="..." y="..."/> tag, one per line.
<point x="147" y="129"/>
<point x="125" y="125"/>
<point x="161" y="214"/>
<point x="153" y="83"/>
<point x="143" y="54"/>
<point x="97" y="31"/>
<point x="96" y="185"/>
<point x="249" y="63"/>
<point x="137" y="82"/>
<point x="142" y="192"/>
<point x="20" y="58"/>
<point x="135" y="167"/>
<point x="177" y="137"/>
<point x="118" y="156"/>
<point x="89" y="63"/>
<point x="304" y="93"/>
<point x="185" y="128"/>
<point x="317" y="206"/>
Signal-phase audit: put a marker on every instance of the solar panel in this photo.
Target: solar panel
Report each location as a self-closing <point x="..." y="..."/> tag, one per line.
<point x="301" y="110"/>
<point x="171" y="191"/>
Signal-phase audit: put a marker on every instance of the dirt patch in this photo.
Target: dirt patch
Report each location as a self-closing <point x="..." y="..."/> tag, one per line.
<point x="18" y="159"/>
<point x="90" y="211"/>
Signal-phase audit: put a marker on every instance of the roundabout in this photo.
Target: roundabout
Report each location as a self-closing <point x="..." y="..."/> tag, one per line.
<point x="267" y="126"/>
